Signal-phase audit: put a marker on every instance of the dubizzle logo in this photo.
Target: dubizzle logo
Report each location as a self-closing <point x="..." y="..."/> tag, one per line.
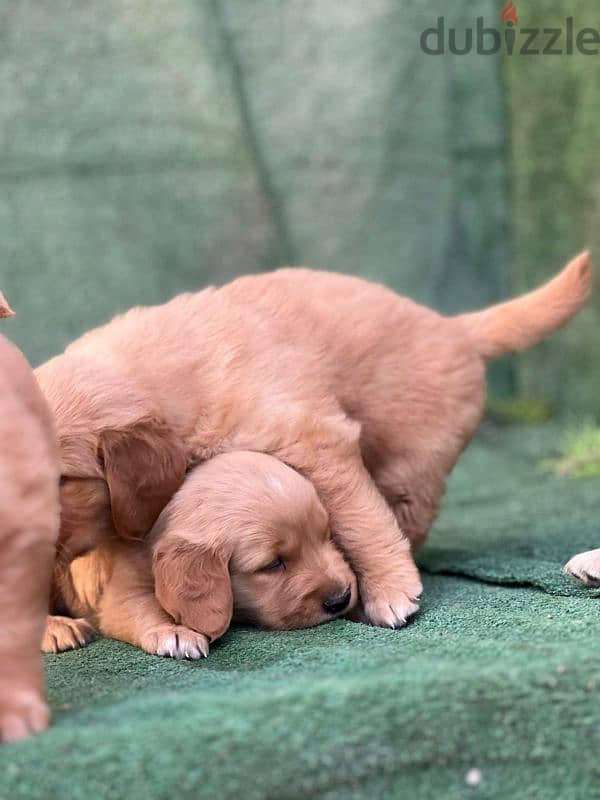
<point x="509" y="14"/>
<point x="512" y="39"/>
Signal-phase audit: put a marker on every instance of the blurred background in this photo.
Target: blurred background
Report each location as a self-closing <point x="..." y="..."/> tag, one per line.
<point x="153" y="146"/>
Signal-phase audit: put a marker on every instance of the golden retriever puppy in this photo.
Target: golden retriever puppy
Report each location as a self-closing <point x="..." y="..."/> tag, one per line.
<point x="29" y="521"/>
<point x="367" y="394"/>
<point x="585" y="567"/>
<point x="244" y="535"/>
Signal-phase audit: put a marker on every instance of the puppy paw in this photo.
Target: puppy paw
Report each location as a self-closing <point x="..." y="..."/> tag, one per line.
<point x="175" y="641"/>
<point x="392" y="612"/>
<point x="392" y="608"/>
<point x="23" y="713"/>
<point x="64" y="633"/>
<point x="585" y="567"/>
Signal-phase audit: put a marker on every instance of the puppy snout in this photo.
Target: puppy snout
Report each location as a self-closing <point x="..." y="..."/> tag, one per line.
<point x="338" y="602"/>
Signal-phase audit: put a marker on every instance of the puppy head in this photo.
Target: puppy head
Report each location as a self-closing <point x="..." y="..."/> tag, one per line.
<point x="120" y="463"/>
<point x="247" y="536"/>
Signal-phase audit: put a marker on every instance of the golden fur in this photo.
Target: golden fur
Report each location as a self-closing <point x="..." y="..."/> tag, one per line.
<point x="367" y="394"/>
<point x="244" y="531"/>
<point x="29" y="521"/>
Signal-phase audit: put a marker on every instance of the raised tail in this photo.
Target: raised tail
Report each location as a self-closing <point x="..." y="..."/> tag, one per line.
<point x="520" y="323"/>
<point x="5" y="309"/>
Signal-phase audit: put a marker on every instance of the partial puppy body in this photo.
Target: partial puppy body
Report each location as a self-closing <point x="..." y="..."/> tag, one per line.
<point x="112" y="591"/>
<point x="365" y="393"/>
<point x="65" y="633"/>
<point x="29" y="522"/>
<point x="585" y="567"/>
<point x="245" y="535"/>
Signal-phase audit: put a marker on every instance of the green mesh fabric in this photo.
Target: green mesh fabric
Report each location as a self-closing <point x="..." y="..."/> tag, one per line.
<point x="554" y="133"/>
<point x="150" y="148"/>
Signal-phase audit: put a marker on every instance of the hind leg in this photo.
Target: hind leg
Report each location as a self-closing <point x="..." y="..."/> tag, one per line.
<point x="414" y="492"/>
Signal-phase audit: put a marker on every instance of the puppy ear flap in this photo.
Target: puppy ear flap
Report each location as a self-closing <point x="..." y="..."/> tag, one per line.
<point x="144" y="465"/>
<point x="5" y="309"/>
<point x="193" y="585"/>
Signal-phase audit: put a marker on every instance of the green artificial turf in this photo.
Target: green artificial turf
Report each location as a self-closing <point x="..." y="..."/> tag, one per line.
<point x="579" y="452"/>
<point x="494" y="674"/>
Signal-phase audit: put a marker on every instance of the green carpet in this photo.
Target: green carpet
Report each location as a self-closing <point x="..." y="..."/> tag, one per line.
<point x="499" y="678"/>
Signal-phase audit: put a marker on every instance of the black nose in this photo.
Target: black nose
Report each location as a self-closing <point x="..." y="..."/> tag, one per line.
<point x="338" y="602"/>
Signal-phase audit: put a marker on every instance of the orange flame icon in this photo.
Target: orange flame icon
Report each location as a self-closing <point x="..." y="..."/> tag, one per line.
<point x="509" y="13"/>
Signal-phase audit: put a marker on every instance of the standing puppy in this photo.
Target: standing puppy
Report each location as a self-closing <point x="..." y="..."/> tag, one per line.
<point x="365" y="393"/>
<point x="29" y="521"/>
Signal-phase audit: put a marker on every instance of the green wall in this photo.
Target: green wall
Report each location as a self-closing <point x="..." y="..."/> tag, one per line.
<point x="554" y="133"/>
<point x="151" y="147"/>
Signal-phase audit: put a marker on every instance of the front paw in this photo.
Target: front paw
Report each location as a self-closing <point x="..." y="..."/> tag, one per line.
<point x="175" y="641"/>
<point x="391" y="606"/>
<point x="585" y="567"/>
<point x="64" y="633"/>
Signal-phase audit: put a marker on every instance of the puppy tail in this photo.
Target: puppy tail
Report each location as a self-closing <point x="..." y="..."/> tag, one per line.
<point x="518" y="324"/>
<point x="5" y="309"/>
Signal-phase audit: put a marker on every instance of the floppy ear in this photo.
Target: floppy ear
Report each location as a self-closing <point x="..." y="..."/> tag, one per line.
<point x="5" y="309"/>
<point x="192" y="584"/>
<point x="144" y="465"/>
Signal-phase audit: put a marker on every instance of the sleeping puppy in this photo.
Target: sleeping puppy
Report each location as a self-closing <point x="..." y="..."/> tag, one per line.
<point x="244" y="535"/>
<point x="29" y="520"/>
<point x="585" y="567"/>
<point x="367" y="394"/>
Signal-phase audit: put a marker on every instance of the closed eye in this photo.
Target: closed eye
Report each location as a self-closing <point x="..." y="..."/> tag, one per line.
<point x="278" y="563"/>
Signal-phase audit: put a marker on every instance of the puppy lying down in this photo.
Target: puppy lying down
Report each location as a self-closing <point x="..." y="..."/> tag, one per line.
<point x="244" y="537"/>
<point x="29" y="522"/>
